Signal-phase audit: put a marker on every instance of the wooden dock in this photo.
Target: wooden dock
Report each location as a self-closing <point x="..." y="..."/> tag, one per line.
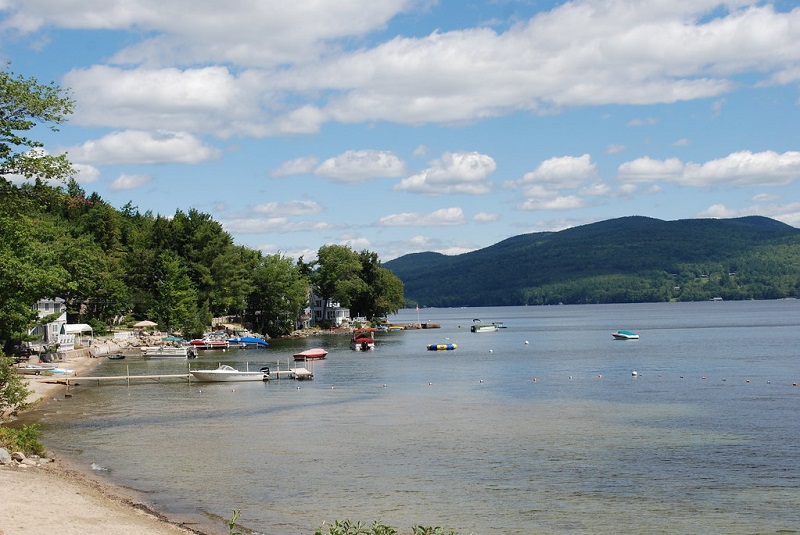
<point x="296" y="373"/>
<point x="73" y="379"/>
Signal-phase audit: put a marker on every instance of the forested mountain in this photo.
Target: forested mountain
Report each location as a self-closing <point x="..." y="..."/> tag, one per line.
<point x="630" y="259"/>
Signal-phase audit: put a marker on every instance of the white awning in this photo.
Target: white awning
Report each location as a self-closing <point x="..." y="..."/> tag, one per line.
<point x="76" y="328"/>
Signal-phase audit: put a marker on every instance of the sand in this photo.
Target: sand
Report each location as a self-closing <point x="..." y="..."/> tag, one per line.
<point x="52" y="498"/>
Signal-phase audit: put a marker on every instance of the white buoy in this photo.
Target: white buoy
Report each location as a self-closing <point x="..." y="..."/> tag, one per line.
<point x="526" y="342"/>
<point x="634" y="373"/>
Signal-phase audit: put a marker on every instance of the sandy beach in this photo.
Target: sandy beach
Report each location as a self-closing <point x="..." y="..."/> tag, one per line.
<point x="53" y="498"/>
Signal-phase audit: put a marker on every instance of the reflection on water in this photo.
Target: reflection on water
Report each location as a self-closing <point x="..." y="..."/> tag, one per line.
<point x="537" y="428"/>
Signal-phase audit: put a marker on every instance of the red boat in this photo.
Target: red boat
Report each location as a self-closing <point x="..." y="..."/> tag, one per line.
<point x="311" y="354"/>
<point x="362" y="342"/>
<point x="208" y="343"/>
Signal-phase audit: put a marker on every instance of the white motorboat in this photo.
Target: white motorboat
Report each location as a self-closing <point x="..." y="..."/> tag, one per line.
<point x="625" y="335"/>
<point x="229" y="373"/>
<point x="479" y="327"/>
<point x="179" y="352"/>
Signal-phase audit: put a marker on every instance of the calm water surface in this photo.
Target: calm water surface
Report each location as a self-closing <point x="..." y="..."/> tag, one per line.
<point x="537" y="428"/>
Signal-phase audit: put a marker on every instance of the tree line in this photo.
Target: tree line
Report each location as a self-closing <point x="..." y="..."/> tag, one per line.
<point x="112" y="266"/>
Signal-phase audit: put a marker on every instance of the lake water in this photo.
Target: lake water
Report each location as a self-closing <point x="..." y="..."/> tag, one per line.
<point x="540" y="427"/>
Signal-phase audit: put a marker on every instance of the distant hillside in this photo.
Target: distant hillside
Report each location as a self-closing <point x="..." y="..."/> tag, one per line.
<point x="630" y="259"/>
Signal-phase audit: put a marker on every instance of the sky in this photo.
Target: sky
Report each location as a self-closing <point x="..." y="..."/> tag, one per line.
<point x="403" y="126"/>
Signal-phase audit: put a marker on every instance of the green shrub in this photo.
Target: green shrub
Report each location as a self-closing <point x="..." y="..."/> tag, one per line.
<point x="27" y="440"/>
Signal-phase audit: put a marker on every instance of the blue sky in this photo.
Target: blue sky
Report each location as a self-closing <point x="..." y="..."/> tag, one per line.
<point x="403" y="126"/>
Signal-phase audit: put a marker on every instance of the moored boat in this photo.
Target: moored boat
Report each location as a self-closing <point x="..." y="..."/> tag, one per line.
<point x="226" y="373"/>
<point x="163" y="352"/>
<point x="362" y="342"/>
<point x="209" y="343"/>
<point x="479" y="327"/>
<point x="315" y="353"/>
<point x="248" y="341"/>
<point x="625" y="335"/>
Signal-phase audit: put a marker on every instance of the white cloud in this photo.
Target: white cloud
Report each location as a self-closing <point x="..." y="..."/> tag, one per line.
<point x="203" y="99"/>
<point x="649" y="121"/>
<point x="744" y="168"/>
<point x="291" y="69"/>
<point x="787" y="213"/>
<point x="438" y="218"/>
<point x="547" y="187"/>
<point x="126" y="182"/>
<point x="361" y="165"/>
<point x="765" y="197"/>
<point x="288" y="209"/>
<point x="276" y="224"/>
<point x="138" y="147"/>
<point x="562" y="172"/>
<point x="298" y="166"/>
<point x="186" y="31"/>
<point x="354" y="241"/>
<point x="647" y="169"/>
<point x="557" y="202"/>
<point x="85" y="174"/>
<point x="486" y="217"/>
<point x="459" y="172"/>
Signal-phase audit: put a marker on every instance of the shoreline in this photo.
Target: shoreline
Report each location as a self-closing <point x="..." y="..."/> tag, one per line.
<point x="56" y="496"/>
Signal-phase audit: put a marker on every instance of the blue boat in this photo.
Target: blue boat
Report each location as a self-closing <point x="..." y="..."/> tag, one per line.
<point x="248" y="341"/>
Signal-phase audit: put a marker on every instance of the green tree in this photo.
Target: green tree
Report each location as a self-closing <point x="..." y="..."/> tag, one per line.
<point x="24" y="104"/>
<point x="175" y="305"/>
<point x="382" y="292"/>
<point x="28" y="269"/>
<point x="337" y="275"/>
<point x="13" y="391"/>
<point x="280" y="290"/>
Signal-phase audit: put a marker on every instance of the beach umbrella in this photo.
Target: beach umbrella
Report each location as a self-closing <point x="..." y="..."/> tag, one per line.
<point x="145" y="323"/>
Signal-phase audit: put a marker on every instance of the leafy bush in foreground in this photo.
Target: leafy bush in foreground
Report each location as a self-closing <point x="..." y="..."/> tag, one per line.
<point x="25" y="440"/>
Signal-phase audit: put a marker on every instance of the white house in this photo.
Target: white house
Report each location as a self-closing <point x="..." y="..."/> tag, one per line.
<point x="57" y="333"/>
<point x="47" y="334"/>
<point x="335" y="314"/>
